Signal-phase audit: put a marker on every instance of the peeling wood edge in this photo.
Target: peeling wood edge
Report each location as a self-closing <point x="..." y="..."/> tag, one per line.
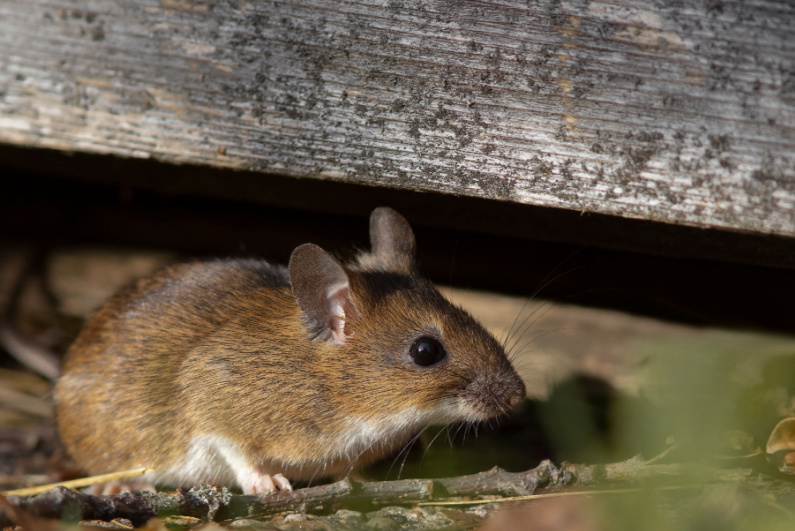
<point x="478" y="215"/>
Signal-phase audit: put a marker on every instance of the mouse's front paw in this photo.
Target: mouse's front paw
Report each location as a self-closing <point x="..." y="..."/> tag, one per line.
<point x="265" y="484"/>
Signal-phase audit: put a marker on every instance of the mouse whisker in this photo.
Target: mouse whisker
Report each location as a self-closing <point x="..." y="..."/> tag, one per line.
<point x="532" y="297"/>
<point x="467" y="429"/>
<point x="405" y="451"/>
<point x="461" y="426"/>
<point x="449" y="436"/>
<point x="538" y="335"/>
<point x="547" y="306"/>
<point x="424" y="453"/>
<point x="315" y="473"/>
<point x="520" y="332"/>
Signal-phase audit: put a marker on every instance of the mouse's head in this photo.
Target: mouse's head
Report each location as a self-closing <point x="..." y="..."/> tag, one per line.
<point x="393" y="348"/>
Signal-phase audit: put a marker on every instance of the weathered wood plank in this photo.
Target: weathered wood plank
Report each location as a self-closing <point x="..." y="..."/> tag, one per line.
<point x="682" y="113"/>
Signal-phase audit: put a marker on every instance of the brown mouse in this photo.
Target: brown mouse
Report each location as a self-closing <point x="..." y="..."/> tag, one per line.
<point x="234" y="372"/>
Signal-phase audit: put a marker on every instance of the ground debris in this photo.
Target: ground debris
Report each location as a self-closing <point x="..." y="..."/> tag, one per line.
<point x="213" y="504"/>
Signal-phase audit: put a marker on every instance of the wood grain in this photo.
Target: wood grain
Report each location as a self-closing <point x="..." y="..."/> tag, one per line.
<point x="682" y="113"/>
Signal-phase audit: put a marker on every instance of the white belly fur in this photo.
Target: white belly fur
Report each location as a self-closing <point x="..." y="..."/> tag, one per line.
<point x="217" y="460"/>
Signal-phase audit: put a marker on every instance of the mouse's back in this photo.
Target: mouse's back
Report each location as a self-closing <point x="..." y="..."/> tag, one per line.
<point x="117" y="396"/>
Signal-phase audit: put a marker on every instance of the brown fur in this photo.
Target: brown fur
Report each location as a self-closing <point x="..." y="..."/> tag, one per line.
<point x="222" y="348"/>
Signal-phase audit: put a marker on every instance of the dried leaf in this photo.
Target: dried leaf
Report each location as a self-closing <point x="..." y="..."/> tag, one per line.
<point x="781" y="446"/>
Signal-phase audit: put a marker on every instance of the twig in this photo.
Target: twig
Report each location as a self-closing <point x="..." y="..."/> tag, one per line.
<point x="499" y="481"/>
<point x="210" y="503"/>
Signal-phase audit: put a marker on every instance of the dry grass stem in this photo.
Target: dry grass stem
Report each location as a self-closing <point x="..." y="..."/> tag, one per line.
<point x="78" y="483"/>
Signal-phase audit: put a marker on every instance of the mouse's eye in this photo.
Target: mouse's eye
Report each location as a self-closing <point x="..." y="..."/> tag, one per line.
<point x="427" y="351"/>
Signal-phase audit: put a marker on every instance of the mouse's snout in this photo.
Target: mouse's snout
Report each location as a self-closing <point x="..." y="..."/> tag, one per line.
<point x="495" y="393"/>
<point x="516" y="395"/>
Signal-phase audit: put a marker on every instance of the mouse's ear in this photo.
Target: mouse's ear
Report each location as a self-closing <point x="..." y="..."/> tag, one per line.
<point x="392" y="241"/>
<point x="322" y="290"/>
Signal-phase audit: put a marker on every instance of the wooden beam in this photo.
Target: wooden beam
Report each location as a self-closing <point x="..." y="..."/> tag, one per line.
<point x="683" y="114"/>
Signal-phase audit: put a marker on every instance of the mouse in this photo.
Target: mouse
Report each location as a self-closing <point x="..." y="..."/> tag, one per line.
<point x="247" y="374"/>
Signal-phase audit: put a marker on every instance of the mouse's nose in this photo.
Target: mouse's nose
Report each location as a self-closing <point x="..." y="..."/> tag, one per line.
<point x="517" y="395"/>
<point x="516" y="392"/>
